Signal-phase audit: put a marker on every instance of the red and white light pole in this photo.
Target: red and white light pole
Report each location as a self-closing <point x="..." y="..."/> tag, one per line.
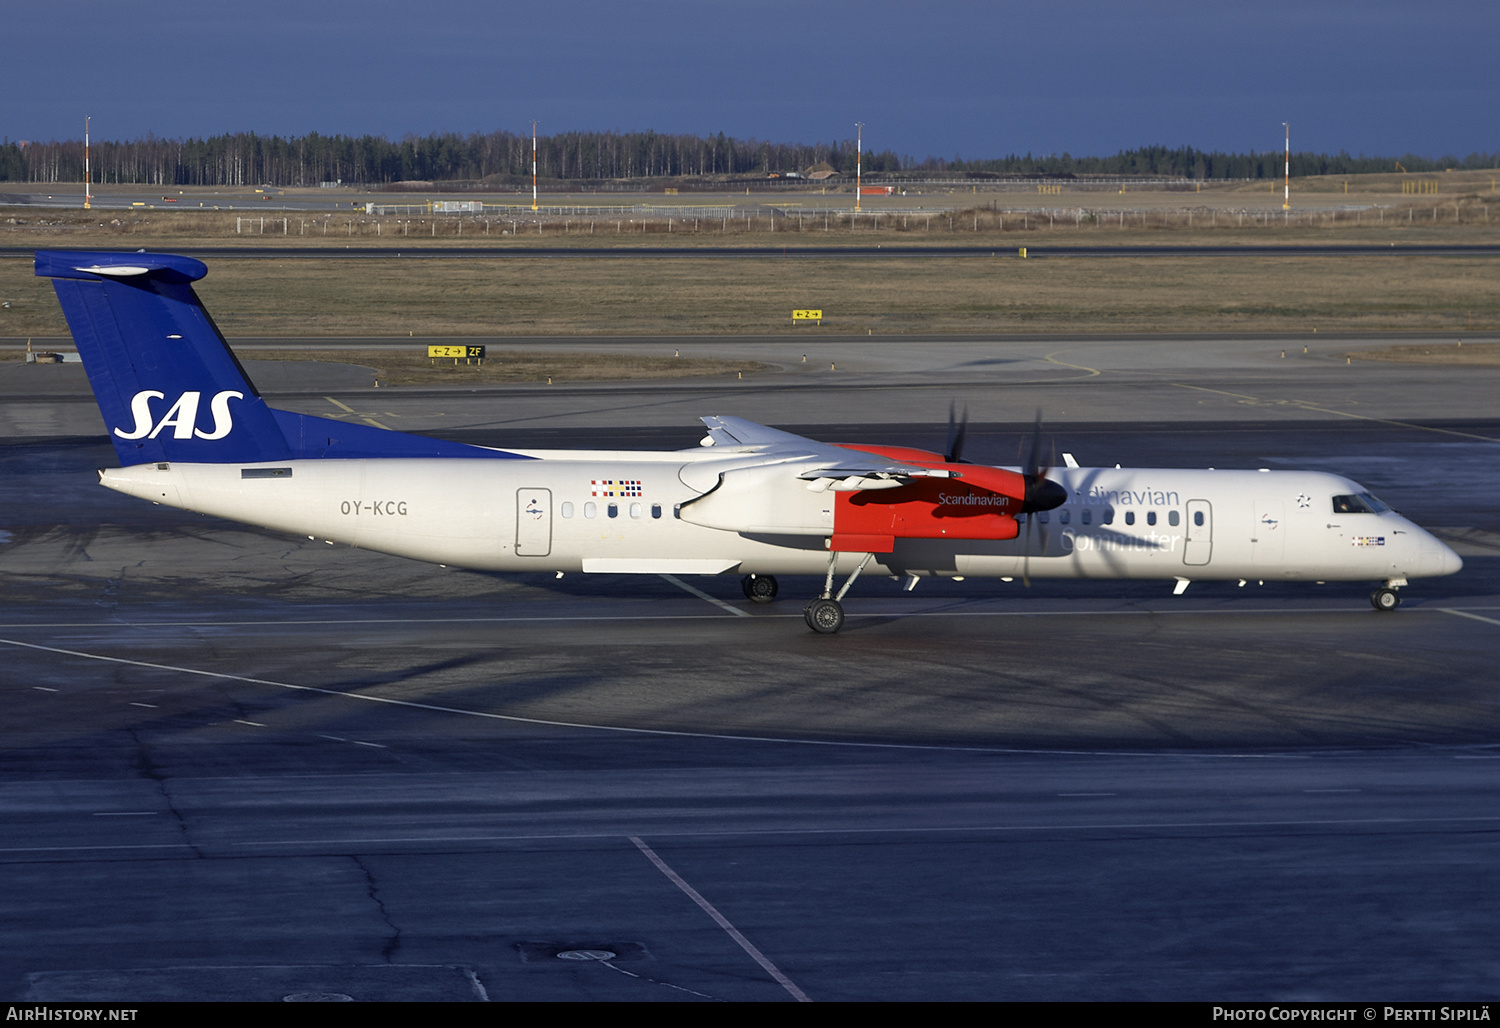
<point x="533" y="165"/>
<point x="88" y="197"/>
<point x="1286" y="195"/>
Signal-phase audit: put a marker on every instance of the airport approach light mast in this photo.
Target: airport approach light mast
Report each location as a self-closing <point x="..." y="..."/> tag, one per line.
<point x="859" y="153"/>
<point x="1286" y="196"/>
<point x="533" y="165"/>
<point x="87" y="196"/>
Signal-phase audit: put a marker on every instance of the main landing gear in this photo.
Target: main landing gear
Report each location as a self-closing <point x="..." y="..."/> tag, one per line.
<point x="759" y="588"/>
<point x="825" y="615"/>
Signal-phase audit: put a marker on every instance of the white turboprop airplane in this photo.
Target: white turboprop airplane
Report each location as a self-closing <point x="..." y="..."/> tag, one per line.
<point x="192" y="432"/>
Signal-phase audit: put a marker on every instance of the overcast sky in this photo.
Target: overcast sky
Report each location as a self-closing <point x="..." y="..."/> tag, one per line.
<point x="941" y="79"/>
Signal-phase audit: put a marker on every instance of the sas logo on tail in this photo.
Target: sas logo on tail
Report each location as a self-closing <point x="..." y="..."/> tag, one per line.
<point x="181" y="417"/>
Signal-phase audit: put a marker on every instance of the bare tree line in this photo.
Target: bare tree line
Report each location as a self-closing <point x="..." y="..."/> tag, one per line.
<point x="246" y="158"/>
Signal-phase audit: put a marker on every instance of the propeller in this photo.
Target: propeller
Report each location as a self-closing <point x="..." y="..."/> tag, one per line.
<point x="1041" y="494"/>
<point x="957" y="429"/>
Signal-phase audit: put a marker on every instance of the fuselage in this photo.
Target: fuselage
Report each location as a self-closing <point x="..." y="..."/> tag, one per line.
<point x="634" y="512"/>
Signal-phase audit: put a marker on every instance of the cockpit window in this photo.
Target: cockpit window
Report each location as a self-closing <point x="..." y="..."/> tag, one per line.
<point x="1361" y="503"/>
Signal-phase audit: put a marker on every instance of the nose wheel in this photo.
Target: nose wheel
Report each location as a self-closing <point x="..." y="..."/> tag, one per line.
<point x="1385" y="598"/>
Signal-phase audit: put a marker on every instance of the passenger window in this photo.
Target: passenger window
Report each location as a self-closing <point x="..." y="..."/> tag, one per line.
<point x="613" y="510"/>
<point x="1087" y="517"/>
<point x="656" y="510"/>
<point x="590" y="510"/>
<point x="1198" y="518"/>
<point x="1064" y="516"/>
<point x="635" y="510"/>
<point x="1173" y="518"/>
<point x="1150" y="517"/>
<point x="567" y="508"/>
<point x="1044" y="516"/>
<point x="1109" y="516"/>
<point x="1130" y="517"/>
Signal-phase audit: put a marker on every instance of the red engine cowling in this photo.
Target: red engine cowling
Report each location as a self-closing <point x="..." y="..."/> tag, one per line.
<point x="982" y="503"/>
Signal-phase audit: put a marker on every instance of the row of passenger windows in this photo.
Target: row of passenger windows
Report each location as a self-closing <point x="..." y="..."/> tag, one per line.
<point x="611" y="510"/>
<point x="1107" y="517"/>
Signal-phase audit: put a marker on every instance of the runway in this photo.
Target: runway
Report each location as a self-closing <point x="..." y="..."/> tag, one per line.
<point x="245" y="766"/>
<point x="798" y="251"/>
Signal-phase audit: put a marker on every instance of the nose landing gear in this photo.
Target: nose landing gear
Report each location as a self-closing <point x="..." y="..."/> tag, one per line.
<point x="1385" y="597"/>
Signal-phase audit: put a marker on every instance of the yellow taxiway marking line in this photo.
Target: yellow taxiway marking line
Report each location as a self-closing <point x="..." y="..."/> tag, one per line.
<point x="1304" y="405"/>
<point x="1051" y="358"/>
<point x="351" y="410"/>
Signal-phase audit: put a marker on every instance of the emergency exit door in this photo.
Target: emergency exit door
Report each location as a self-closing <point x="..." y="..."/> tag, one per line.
<point x="1198" y="545"/>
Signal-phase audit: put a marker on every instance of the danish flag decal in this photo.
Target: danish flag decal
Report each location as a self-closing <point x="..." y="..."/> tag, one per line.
<point x="181" y="417"/>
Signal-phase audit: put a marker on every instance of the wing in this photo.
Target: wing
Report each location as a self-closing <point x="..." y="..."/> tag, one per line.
<point x="824" y="465"/>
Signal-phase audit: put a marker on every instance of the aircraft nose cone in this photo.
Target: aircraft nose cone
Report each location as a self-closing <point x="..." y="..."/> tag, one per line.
<point x="1437" y="558"/>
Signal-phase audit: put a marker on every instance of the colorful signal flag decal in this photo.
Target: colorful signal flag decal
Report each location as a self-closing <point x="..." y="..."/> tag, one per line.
<point x="616" y="487"/>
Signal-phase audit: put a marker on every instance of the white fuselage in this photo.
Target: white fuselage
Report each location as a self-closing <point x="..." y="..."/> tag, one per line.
<point x="616" y="511"/>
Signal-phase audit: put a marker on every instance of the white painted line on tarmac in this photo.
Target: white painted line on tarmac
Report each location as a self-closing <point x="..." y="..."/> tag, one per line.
<point x="679" y="583"/>
<point x="1224" y="611"/>
<point x="515" y="719"/>
<point x="252" y="724"/>
<point x="878" y="830"/>
<point x="1465" y="614"/>
<point x="621" y="730"/>
<point x="722" y="921"/>
<point x="1305" y="405"/>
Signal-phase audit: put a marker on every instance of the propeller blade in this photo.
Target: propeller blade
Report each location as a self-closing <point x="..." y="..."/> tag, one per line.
<point x="1026" y="553"/>
<point x="1041" y="492"/>
<point x="958" y="428"/>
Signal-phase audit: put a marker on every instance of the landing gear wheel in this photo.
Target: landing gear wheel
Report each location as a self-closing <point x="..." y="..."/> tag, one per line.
<point x="759" y="588"/>
<point x="824" y="616"/>
<point x="1385" y="598"/>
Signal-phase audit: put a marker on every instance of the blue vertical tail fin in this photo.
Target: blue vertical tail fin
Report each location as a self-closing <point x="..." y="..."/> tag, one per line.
<point x="167" y="384"/>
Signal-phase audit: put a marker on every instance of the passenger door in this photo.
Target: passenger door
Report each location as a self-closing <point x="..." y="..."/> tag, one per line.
<point x="533" y="522"/>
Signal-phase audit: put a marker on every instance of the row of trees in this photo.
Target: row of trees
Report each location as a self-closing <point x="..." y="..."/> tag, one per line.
<point x="1190" y="162"/>
<point x="249" y="159"/>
